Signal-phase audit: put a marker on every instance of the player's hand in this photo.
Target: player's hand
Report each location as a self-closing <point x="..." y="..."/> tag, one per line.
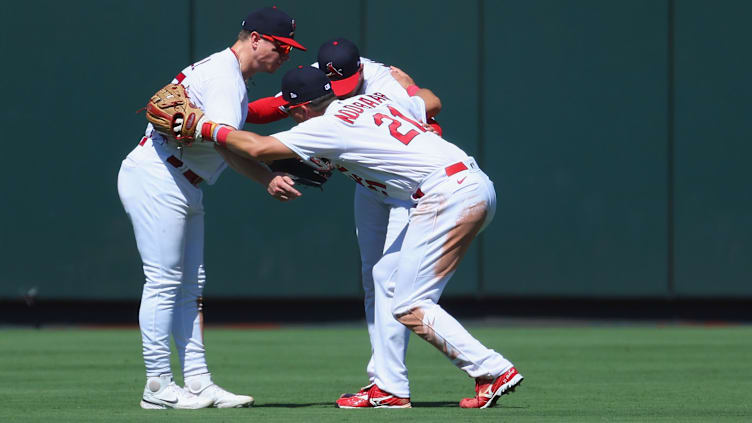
<point x="179" y="126"/>
<point x="430" y="128"/>
<point x="404" y="79"/>
<point x="281" y="187"/>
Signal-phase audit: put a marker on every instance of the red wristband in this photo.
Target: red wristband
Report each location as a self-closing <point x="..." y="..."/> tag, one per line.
<point x="222" y="133"/>
<point x="207" y="129"/>
<point x="412" y="89"/>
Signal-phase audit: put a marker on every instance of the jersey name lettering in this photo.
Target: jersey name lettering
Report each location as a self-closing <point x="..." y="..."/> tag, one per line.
<point x="350" y="112"/>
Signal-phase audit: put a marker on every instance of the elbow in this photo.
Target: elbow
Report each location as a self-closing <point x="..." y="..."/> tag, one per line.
<point x="437" y="107"/>
<point x="434" y="108"/>
<point x="254" y="151"/>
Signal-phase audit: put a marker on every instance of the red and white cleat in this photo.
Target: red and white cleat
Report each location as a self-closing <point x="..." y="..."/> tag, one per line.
<point x="383" y="399"/>
<point x="356" y="400"/>
<point x="372" y="397"/>
<point x="488" y="392"/>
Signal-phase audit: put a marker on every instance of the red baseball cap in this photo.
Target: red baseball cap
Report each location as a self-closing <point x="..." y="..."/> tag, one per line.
<point x="340" y="60"/>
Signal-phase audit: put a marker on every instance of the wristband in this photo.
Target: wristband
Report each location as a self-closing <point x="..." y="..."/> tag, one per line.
<point x="221" y="135"/>
<point x="412" y="89"/>
<point x="207" y="129"/>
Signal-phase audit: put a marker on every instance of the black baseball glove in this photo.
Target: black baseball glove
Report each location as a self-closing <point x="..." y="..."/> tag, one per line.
<point x="314" y="175"/>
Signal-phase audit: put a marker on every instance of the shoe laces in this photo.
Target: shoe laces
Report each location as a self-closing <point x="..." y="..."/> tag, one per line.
<point x="366" y="389"/>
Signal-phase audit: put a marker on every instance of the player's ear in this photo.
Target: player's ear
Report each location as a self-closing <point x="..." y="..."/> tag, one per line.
<point x="255" y="38"/>
<point x="298" y="114"/>
<point x="308" y="112"/>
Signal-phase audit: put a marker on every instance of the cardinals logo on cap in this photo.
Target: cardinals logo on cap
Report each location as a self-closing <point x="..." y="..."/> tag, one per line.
<point x="292" y="33"/>
<point x="332" y="71"/>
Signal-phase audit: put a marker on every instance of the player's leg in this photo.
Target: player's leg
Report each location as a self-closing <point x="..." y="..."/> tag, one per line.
<point x="440" y="231"/>
<point x="187" y="324"/>
<point x="390" y="336"/>
<point x="157" y="209"/>
<point x="380" y="227"/>
<point x="371" y="217"/>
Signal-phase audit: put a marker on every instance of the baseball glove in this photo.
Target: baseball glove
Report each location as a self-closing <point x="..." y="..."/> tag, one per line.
<point x="169" y="104"/>
<point x="303" y="173"/>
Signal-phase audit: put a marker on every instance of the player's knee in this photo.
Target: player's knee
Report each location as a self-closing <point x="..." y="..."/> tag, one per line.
<point x="402" y="312"/>
<point x="382" y="275"/>
<point x="411" y="318"/>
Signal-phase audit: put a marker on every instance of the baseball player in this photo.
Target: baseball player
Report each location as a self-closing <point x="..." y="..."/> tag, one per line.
<point x="379" y="219"/>
<point x="386" y="149"/>
<point x="159" y="186"/>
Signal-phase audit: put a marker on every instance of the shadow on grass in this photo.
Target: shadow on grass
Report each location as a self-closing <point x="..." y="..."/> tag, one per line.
<point x="312" y="404"/>
<point x="452" y="404"/>
<point x="426" y="404"/>
<point x="422" y="404"/>
<point x="329" y="404"/>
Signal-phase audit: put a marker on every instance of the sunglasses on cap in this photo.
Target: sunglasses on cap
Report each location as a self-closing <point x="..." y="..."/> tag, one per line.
<point x="281" y="48"/>
<point x="292" y="107"/>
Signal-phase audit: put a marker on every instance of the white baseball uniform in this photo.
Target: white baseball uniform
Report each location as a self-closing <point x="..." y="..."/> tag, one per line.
<point x="159" y="188"/>
<point x="378" y="222"/>
<point x="385" y="149"/>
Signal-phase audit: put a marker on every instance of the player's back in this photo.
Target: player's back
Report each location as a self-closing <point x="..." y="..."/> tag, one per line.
<point x="385" y="141"/>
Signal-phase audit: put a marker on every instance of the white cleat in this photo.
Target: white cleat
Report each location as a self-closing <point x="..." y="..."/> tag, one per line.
<point x="203" y="387"/>
<point x="161" y="393"/>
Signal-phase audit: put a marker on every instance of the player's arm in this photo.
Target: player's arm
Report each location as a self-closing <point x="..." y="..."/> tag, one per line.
<point x="245" y="143"/>
<point x="266" y="110"/>
<point x="433" y="103"/>
<point x="278" y="185"/>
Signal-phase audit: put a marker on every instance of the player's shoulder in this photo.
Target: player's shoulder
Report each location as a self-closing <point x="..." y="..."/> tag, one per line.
<point x="372" y="67"/>
<point x="220" y="64"/>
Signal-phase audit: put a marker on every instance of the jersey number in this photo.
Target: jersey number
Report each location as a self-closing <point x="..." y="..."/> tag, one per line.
<point x="397" y="120"/>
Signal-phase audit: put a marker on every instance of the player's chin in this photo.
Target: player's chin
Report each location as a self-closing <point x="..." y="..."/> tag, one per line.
<point x="272" y="67"/>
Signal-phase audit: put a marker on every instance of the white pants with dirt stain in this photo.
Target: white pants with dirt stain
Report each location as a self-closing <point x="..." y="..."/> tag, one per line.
<point x="452" y="211"/>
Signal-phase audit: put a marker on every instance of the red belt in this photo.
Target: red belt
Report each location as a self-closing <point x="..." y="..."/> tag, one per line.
<point x="455" y="168"/>
<point x="177" y="163"/>
<point x="449" y="170"/>
<point x="189" y="174"/>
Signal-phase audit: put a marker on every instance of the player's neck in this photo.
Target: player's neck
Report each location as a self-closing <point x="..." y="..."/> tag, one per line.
<point x="244" y="60"/>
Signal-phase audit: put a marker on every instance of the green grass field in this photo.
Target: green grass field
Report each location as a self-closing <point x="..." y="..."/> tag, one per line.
<point x="586" y="373"/>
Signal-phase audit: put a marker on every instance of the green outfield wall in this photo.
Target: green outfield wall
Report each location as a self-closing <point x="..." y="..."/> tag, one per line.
<point x="618" y="135"/>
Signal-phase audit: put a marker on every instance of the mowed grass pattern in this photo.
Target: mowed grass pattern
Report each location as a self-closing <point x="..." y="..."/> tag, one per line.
<point x="577" y="374"/>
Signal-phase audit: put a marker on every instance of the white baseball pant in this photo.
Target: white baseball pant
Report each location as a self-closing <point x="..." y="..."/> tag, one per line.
<point x="167" y="214"/>
<point x="451" y="212"/>
<point x="380" y="224"/>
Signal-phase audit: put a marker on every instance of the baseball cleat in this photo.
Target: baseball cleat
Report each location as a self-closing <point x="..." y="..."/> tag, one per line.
<point x="161" y="393"/>
<point x="202" y="387"/>
<point x="374" y="397"/>
<point x="383" y="399"/>
<point x="488" y="392"/>
<point x="356" y="400"/>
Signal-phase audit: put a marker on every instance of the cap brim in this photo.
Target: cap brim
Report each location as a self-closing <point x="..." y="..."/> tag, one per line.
<point x="347" y="85"/>
<point x="289" y="41"/>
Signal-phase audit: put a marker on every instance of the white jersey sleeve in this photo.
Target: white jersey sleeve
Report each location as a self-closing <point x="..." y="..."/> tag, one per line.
<point x="313" y="138"/>
<point x="378" y="78"/>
